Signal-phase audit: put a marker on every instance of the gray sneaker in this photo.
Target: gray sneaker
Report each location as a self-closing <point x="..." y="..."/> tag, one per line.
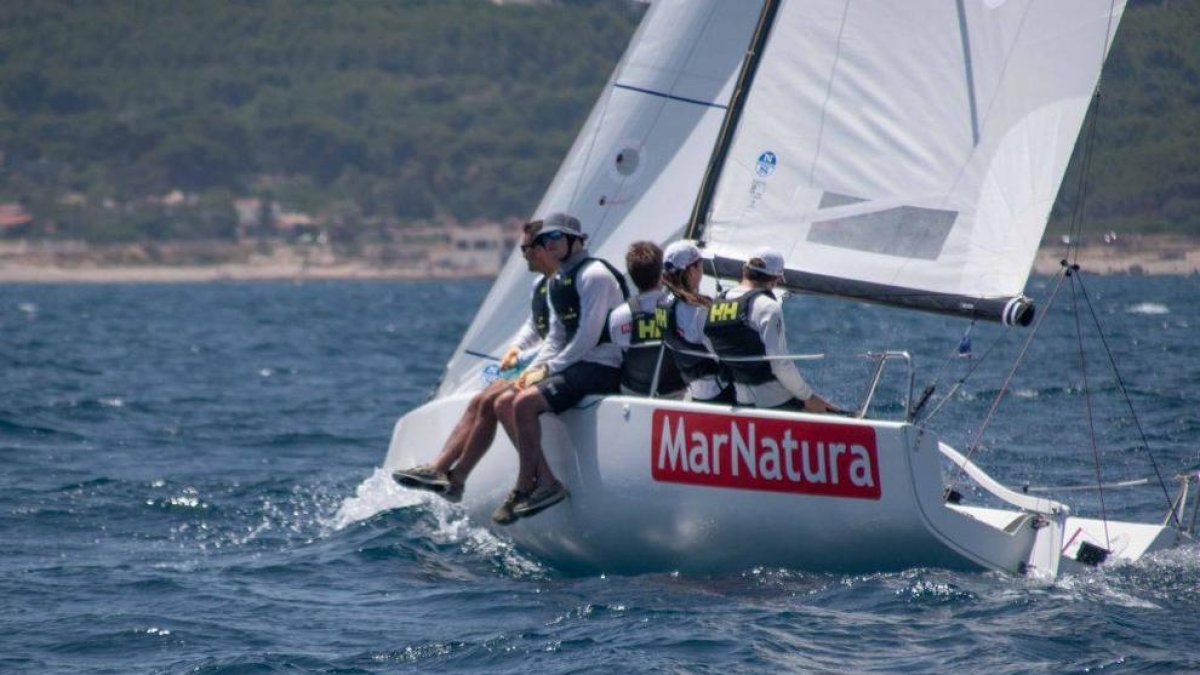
<point x="423" y="477"/>
<point x="503" y="515"/>
<point x="540" y="499"/>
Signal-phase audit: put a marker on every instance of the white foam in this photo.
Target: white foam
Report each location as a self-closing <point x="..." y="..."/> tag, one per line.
<point x="376" y="494"/>
<point x="1148" y="308"/>
<point x="379" y="493"/>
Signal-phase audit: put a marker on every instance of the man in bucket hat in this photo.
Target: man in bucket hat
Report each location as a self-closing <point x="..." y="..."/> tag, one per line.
<point x="575" y="360"/>
<point x="746" y="322"/>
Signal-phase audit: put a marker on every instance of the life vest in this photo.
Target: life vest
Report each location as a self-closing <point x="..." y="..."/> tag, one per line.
<point x="564" y="295"/>
<point x="640" y="360"/>
<point x="540" y="307"/>
<point x="732" y="336"/>
<point x="691" y="367"/>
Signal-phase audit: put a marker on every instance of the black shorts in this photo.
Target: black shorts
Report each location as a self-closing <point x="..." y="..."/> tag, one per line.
<point x="564" y="389"/>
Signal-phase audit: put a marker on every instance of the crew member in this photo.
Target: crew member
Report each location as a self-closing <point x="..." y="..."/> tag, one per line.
<point x="636" y="327"/>
<point x="746" y="323"/>
<point x="476" y="429"/>
<point x="683" y="316"/>
<point x="573" y="362"/>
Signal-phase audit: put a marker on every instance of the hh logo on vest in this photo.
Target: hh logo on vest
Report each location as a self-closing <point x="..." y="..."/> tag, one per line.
<point x="647" y="329"/>
<point x="723" y="311"/>
<point x="837" y="460"/>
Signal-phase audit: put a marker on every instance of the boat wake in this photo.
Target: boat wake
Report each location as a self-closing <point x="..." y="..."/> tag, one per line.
<point x="445" y="525"/>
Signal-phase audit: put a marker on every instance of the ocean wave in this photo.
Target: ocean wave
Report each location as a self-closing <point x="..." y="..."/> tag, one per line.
<point x="1148" y="308"/>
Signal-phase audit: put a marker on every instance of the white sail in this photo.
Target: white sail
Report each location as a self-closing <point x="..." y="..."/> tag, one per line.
<point x="636" y="165"/>
<point x="910" y="152"/>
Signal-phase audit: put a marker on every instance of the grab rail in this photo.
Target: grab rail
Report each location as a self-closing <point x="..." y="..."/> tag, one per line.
<point x="882" y="359"/>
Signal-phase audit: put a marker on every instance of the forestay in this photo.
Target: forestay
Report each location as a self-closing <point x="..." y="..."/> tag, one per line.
<point x="910" y="152"/>
<point x="635" y="168"/>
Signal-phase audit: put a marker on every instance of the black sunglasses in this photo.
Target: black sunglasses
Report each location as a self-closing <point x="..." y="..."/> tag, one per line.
<point x="541" y="240"/>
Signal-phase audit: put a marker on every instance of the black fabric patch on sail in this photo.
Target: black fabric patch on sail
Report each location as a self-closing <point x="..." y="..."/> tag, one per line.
<point x="904" y="232"/>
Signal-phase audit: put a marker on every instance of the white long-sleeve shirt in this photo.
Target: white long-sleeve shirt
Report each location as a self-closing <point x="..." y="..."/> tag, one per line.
<point x="599" y="294"/>
<point x="691" y="319"/>
<point x="767" y="317"/>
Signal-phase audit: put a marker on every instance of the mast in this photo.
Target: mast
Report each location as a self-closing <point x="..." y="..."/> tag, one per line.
<point x="766" y="19"/>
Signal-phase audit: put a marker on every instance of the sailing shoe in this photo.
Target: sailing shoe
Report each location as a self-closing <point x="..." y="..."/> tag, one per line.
<point x="453" y="494"/>
<point x="423" y="477"/>
<point x="503" y="514"/>
<point x="540" y="499"/>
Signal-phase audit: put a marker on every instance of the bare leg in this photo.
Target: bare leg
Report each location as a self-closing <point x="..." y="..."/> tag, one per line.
<point x="503" y="407"/>
<point x="529" y="406"/>
<point x="457" y="442"/>
<point x="481" y="435"/>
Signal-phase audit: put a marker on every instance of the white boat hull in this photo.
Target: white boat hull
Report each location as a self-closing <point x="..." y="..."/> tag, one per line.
<point x="648" y="494"/>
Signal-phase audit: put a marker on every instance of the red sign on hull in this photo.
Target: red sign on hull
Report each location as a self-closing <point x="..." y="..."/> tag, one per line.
<point x="817" y="458"/>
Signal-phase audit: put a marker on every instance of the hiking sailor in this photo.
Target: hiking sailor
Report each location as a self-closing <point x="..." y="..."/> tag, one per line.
<point x="684" y="313"/>
<point x="637" y="328"/>
<point x="575" y="360"/>
<point x="747" y="322"/>
<point x="476" y="429"/>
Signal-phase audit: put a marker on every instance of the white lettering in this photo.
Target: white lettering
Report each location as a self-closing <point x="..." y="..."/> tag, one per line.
<point x="698" y="456"/>
<point x="835" y="449"/>
<point x="717" y="441"/>
<point x="860" y="467"/>
<point x="768" y="462"/>
<point x="812" y="475"/>
<point x="740" y="448"/>
<point x="672" y="446"/>
<point x="789" y="447"/>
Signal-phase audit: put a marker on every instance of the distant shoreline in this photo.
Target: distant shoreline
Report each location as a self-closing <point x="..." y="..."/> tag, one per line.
<point x="1150" y="255"/>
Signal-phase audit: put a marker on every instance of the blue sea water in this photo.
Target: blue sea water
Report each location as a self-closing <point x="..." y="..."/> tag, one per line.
<point x="188" y="484"/>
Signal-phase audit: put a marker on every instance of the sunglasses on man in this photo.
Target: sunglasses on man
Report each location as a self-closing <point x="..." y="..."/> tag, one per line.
<point x="541" y="240"/>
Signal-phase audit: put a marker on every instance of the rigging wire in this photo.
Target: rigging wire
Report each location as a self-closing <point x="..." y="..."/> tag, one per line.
<point x="1076" y="228"/>
<point x="1008" y="380"/>
<point x="1072" y="254"/>
<point x="970" y="371"/>
<point x="1174" y="512"/>
<point x="1087" y="400"/>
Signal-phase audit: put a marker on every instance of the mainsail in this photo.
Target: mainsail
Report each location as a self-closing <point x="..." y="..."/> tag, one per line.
<point x="909" y="153"/>
<point x="636" y="166"/>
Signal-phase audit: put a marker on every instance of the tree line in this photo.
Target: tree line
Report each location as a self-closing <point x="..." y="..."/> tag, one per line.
<point x="406" y="110"/>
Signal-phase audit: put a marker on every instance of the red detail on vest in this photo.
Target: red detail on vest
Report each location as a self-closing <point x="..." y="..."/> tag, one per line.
<point x="774" y="455"/>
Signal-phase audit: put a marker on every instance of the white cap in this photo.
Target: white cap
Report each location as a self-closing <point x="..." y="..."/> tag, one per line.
<point x="772" y="262"/>
<point x="561" y="222"/>
<point x="680" y="254"/>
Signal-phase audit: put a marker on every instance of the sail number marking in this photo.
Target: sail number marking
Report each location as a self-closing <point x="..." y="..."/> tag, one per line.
<point x="774" y="455"/>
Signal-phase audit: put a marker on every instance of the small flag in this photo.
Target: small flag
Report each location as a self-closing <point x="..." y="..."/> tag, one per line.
<point x="964" y="346"/>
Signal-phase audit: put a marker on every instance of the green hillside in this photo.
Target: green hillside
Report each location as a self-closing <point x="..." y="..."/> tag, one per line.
<point x="397" y="110"/>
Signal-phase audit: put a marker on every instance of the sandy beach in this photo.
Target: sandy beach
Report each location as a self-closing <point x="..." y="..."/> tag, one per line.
<point x="21" y="263"/>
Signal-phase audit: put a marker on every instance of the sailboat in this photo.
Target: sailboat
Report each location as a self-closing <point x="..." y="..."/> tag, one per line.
<point x="906" y="154"/>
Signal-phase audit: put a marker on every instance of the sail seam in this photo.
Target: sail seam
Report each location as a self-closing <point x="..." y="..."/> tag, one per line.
<point x="672" y="97"/>
<point x="966" y="44"/>
<point x="837" y="57"/>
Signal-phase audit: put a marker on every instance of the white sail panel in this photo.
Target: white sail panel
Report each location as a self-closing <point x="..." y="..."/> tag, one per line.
<point x="915" y="146"/>
<point x="636" y="166"/>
